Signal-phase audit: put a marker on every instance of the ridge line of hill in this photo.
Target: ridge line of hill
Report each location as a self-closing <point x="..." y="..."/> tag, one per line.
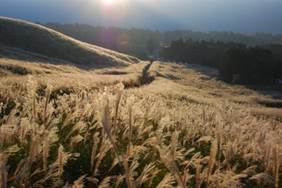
<point x="42" y="40"/>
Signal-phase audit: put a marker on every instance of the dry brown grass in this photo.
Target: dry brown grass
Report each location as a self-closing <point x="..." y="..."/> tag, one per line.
<point x="74" y="128"/>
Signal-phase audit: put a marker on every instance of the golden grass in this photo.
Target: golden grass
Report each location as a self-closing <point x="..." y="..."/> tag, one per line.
<point x="62" y="126"/>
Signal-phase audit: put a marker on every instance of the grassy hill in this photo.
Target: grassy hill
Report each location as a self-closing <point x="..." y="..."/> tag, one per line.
<point x="144" y="125"/>
<point x="157" y="124"/>
<point x="42" y="40"/>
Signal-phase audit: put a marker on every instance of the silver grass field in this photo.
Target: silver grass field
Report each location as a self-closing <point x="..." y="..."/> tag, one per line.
<point x="65" y="127"/>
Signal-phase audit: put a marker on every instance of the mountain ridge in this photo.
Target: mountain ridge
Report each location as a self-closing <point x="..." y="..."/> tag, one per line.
<point x="42" y="40"/>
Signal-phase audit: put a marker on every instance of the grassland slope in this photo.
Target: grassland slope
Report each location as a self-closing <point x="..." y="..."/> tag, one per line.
<point x="148" y="124"/>
<point x="45" y="41"/>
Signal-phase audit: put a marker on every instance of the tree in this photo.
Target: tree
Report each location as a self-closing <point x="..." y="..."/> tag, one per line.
<point x="252" y="65"/>
<point x="151" y="45"/>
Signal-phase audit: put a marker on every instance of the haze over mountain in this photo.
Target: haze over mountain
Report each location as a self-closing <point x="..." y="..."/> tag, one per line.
<point x="206" y="15"/>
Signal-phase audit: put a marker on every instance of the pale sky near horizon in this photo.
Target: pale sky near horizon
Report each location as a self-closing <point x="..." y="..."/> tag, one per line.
<point x="245" y="16"/>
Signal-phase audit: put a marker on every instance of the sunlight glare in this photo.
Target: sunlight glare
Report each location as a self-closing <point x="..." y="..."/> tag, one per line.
<point x="108" y="2"/>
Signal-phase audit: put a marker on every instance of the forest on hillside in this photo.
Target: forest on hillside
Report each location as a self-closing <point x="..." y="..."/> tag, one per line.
<point x="245" y="59"/>
<point x="236" y="62"/>
<point x="144" y="42"/>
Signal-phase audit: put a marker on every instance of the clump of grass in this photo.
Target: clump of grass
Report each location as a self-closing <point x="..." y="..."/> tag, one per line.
<point x="15" y="69"/>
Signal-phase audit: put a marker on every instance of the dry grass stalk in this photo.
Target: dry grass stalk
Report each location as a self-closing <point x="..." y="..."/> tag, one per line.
<point x="3" y="170"/>
<point x="79" y="183"/>
<point x="276" y="165"/>
<point x="212" y="159"/>
<point x="61" y="160"/>
<point x="168" y="157"/>
<point x="108" y="130"/>
<point x="45" y="152"/>
<point x="47" y="98"/>
<point x="117" y="103"/>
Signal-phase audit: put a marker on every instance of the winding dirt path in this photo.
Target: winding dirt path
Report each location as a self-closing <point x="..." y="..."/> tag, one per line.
<point x="144" y="79"/>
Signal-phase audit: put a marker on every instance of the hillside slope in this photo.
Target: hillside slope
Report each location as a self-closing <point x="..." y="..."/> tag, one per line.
<point x="68" y="126"/>
<point x="42" y="40"/>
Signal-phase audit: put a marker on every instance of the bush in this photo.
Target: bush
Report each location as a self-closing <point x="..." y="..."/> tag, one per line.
<point x="249" y="66"/>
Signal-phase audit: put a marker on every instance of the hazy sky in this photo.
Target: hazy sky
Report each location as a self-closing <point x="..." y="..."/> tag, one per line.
<point x="246" y="16"/>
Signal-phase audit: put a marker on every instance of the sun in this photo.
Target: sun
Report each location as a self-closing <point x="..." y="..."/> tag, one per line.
<point x="108" y="2"/>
